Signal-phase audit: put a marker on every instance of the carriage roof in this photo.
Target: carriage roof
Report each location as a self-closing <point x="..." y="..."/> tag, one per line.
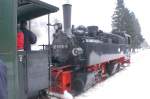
<point x="30" y="9"/>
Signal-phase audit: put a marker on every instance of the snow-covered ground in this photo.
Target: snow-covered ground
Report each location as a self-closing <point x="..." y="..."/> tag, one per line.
<point x="131" y="83"/>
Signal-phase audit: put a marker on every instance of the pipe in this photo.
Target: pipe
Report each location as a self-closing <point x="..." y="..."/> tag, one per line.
<point x="67" y="18"/>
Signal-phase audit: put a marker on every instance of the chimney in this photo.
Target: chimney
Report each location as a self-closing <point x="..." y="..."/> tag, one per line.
<point x="67" y="18"/>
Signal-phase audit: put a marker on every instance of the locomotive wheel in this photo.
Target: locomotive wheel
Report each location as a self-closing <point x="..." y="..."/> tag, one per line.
<point x="118" y="68"/>
<point x="78" y="86"/>
<point x="109" y="68"/>
<point x="43" y="95"/>
<point x="112" y="69"/>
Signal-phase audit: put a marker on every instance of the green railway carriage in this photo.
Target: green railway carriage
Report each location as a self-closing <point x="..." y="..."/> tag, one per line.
<point x="11" y="12"/>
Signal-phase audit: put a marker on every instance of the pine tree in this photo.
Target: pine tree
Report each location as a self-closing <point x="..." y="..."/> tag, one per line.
<point x="117" y="23"/>
<point x="124" y="21"/>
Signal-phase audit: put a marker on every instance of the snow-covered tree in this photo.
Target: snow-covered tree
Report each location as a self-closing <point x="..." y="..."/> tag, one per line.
<point x="124" y="21"/>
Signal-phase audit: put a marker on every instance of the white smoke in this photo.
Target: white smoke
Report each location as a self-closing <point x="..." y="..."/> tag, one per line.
<point x="67" y="1"/>
<point x="40" y="28"/>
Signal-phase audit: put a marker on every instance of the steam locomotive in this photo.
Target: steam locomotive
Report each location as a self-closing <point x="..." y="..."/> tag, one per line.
<point x="84" y="56"/>
<point x="77" y="59"/>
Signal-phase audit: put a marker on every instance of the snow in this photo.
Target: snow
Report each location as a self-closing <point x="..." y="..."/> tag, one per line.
<point x="67" y="95"/>
<point x="131" y="83"/>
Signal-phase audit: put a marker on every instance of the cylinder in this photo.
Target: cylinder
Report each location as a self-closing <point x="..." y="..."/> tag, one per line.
<point x="67" y="18"/>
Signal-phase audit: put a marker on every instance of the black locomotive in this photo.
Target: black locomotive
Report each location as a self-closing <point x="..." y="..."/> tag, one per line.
<point x="87" y="48"/>
<point x="84" y="56"/>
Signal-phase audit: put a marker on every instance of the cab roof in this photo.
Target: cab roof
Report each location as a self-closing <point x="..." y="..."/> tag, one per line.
<point x="30" y="9"/>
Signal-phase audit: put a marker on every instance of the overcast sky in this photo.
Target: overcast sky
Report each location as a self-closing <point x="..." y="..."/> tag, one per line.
<point x="88" y="12"/>
<point x="99" y="12"/>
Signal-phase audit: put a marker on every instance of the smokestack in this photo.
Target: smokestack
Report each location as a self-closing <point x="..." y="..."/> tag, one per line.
<point x="67" y="18"/>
